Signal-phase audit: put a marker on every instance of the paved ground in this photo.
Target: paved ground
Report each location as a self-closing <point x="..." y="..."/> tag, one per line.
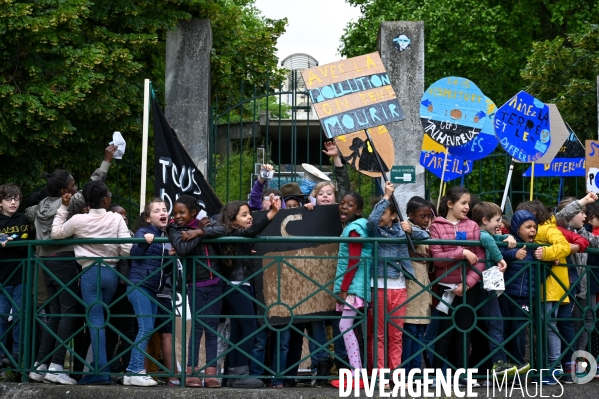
<point x="45" y="391"/>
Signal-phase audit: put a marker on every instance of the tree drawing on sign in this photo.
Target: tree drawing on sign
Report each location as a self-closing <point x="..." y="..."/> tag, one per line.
<point x="363" y="152"/>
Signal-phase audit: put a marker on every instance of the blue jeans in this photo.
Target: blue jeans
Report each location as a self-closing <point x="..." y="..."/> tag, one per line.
<point x="494" y="327"/>
<point x="430" y="334"/>
<point x="411" y="346"/>
<point x="198" y="298"/>
<point x="10" y="292"/>
<point x="142" y="305"/>
<point x="259" y="352"/>
<point x="98" y="285"/>
<point x="279" y="363"/>
<point x="516" y="346"/>
<point x="564" y="326"/>
<point x="319" y="334"/>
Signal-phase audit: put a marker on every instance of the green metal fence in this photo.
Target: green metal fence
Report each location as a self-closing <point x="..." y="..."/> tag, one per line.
<point x="34" y="321"/>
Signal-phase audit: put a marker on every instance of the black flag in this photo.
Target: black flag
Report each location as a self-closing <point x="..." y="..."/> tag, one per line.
<point x="175" y="173"/>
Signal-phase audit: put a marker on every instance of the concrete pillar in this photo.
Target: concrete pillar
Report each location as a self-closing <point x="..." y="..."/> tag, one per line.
<point x="188" y="86"/>
<point x="405" y="67"/>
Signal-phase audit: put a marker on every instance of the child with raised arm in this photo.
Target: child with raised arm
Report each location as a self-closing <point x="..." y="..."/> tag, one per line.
<point x="488" y="217"/>
<point x="390" y="271"/>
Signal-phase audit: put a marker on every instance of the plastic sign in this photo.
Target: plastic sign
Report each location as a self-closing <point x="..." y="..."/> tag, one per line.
<point x="403" y="174"/>
<point x="482" y="145"/>
<point x="453" y="111"/>
<point x="522" y="127"/>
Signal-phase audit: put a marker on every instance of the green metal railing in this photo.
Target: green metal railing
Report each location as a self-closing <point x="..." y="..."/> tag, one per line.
<point x="34" y="322"/>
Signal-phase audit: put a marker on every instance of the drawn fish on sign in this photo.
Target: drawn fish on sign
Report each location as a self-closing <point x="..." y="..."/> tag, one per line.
<point x="351" y="96"/>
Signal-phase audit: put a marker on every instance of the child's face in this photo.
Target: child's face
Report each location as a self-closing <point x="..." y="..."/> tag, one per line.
<point x="71" y="187"/>
<point x="292" y="203"/>
<point x="122" y="212"/>
<point x="243" y="219"/>
<point x="594" y="221"/>
<point x="528" y="231"/>
<point x="325" y="196"/>
<point x="492" y="225"/>
<point x="578" y="221"/>
<point x="158" y="215"/>
<point x="459" y="209"/>
<point x="182" y="215"/>
<point x="387" y="218"/>
<point x="348" y="209"/>
<point x="10" y="205"/>
<point x="266" y="202"/>
<point x="422" y="217"/>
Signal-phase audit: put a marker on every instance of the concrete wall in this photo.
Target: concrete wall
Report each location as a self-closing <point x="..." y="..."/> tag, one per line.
<point x="406" y="71"/>
<point x="188" y="86"/>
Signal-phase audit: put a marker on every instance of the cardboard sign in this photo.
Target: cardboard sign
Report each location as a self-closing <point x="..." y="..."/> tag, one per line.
<point x="569" y="161"/>
<point x="483" y="144"/>
<point x="560" y="133"/>
<point x="353" y="95"/>
<point x="453" y="111"/>
<point x="290" y="266"/>
<point x="432" y="157"/>
<point x="522" y="127"/>
<point x="592" y="165"/>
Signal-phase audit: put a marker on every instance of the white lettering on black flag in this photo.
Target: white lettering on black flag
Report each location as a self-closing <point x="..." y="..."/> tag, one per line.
<point x="175" y="173"/>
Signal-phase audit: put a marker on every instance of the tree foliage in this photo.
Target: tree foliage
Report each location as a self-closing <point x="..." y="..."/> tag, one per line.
<point x="486" y="41"/>
<point x="71" y="72"/>
<point x="563" y="71"/>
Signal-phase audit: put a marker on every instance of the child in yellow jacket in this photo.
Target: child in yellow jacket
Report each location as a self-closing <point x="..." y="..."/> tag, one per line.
<point x="554" y="297"/>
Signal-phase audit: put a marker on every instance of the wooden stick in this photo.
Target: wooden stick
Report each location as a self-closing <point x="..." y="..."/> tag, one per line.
<point x="507" y="185"/>
<point x="532" y="180"/>
<point x="380" y="162"/>
<point x="442" y="178"/>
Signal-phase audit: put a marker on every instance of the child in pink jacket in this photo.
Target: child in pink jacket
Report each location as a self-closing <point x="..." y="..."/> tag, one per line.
<point x="453" y="224"/>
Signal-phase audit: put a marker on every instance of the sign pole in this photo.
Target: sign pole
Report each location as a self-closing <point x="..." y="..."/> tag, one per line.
<point x="442" y="178"/>
<point x="380" y="163"/>
<point x="144" y="145"/>
<point x="507" y="185"/>
<point x="532" y="180"/>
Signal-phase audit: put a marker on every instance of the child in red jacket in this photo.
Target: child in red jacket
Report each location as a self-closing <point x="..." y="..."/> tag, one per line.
<point x="453" y="224"/>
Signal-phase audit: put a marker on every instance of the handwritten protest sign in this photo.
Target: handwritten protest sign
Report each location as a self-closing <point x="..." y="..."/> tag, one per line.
<point x="453" y="111"/>
<point x="522" y="127"/>
<point x="569" y="161"/>
<point x="592" y="165"/>
<point x="432" y="157"/>
<point x="353" y="95"/>
<point x="483" y="144"/>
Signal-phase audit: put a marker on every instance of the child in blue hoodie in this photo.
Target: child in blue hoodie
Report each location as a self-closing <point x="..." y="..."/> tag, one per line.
<point x="519" y="285"/>
<point x="393" y="264"/>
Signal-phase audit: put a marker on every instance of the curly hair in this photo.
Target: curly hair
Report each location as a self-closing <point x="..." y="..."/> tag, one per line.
<point x="190" y="203"/>
<point x="94" y="192"/>
<point x="57" y="180"/>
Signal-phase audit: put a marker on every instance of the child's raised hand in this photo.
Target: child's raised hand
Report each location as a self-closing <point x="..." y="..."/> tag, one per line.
<point x="275" y="203"/>
<point x="149" y="237"/>
<point x="66" y="199"/>
<point x="521" y="254"/>
<point x="330" y="149"/>
<point x="267" y="167"/>
<point x="109" y="152"/>
<point x="588" y="199"/>
<point x="539" y="253"/>
<point x="511" y="242"/>
<point x="470" y="257"/>
<point x="405" y="226"/>
<point x="502" y="265"/>
<point x="309" y="206"/>
<point x="389" y="189"/>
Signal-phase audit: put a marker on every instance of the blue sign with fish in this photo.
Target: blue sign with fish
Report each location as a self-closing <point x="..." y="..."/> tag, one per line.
<point x="453" y="111"/>
<point x="483" y="144"/>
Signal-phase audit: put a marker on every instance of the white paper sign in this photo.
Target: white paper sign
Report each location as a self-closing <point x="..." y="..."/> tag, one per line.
<point x="447" y="298"/>
<point x="493" y="280"/>
<point x="119" y="141"/>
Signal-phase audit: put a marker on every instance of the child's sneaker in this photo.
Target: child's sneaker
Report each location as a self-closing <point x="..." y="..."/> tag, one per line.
<point x="142" y="380"/>
<point x="548" y="378"/>
<point x="500" y="368"/>
<point x="59" y="378"/>
<point x="523" y="368"/>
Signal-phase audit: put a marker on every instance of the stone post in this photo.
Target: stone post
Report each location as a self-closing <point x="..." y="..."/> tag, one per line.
<point x="405" y="66"/>
<point x="188" y="86"/>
